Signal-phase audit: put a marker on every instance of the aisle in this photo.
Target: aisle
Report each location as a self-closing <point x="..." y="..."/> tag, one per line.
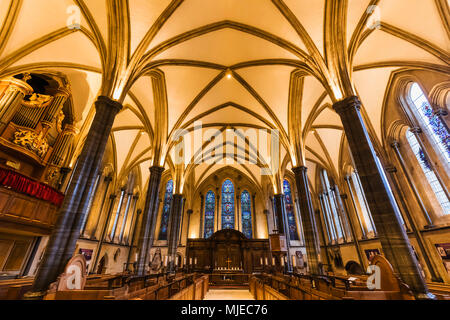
<point x="228" y="295"/>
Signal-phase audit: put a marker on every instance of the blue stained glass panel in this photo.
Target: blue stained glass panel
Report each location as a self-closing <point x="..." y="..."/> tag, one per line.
<point x="166" y="210"/>
<point x="246" y="207"/>
<point x="210" y="204"/>
<point x="228" y="205"/>
<point x="293" y="233"/>
<point x="433" y="124"/>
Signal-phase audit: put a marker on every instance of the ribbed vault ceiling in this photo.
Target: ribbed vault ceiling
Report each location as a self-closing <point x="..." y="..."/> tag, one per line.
<point x="228" y="63"/>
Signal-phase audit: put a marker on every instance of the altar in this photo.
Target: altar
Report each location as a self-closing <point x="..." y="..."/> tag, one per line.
<point x="227" y="252"/>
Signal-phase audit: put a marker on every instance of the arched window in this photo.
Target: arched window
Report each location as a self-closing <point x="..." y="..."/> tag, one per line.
<point x="332" y="217"/>
<point x="429" y="173"/>
<point x="366" y="216"/>
<point x="227" y="205"/>
<point x="246" y="208"/>
<point x="210" y="205"/>
<point x="165" y="211"/>
<point x="431" y="123"/>
<point x="293" y="233"/>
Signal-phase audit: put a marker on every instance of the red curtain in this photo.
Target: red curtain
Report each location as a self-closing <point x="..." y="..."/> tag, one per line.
<point x="23" y="184"/>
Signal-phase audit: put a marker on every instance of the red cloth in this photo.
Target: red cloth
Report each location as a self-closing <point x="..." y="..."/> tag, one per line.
<point x="23" y="184"/>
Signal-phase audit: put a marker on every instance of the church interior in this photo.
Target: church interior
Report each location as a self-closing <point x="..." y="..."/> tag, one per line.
<point x="217" y="149"/>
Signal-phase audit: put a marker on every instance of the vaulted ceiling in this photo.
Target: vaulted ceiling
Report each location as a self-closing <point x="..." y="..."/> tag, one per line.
<point x="239" y="64"/>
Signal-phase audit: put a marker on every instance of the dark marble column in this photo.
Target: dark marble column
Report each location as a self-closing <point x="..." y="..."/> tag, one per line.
<point x="65" y="234"/>
<point x="238" y="206"/>
<point x="201" y="216"/>
<point x="279" y="213"/>
<point x="254" y="221"/>
<point x="308" y="220"/>
<point x="189" y="214"/>
<point x="133" y="235"/>
<point x="282" y="224"/>
<point x="174" y="229"/>
<point x="63" y="174"/>
<point x="150" y="214"/>
<point x="218" y="206"/>
<point x="182" y="223"/>
<point x="392" y="235"/>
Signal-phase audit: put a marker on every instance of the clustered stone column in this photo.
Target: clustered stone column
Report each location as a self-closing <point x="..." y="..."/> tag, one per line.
<point x="308" y="220"/>
<point x="392" y="235"/>
<point x="174" y="229"/>
<point x="147" y="233"/>
<point x="65" y="234"/>
<point x="112" y="199"/>
<point x="415" y="228"/>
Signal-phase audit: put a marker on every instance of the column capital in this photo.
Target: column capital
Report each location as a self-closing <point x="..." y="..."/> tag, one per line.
<point x="64" y="170"/>
<point x="391" y="169"/>
<point x="395" y="144"/>
<point x="190" y="211"/>
<point x="416" y="130"/>
<point x="348" y="103"/>
<point x="299" y="169"/>
<point x="344" y="196"/>
<point x="112" y="197"/>
<point x="139" y="211"/>
<point x="266" y="212"/>
<point x="114" y="105"/>
<point x="70" y="129"/>
<point x="441" y="112"/>
<point x="157" y="170"/>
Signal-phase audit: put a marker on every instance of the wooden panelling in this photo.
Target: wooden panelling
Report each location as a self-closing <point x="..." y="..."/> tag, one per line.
<point x="25" y="211"/>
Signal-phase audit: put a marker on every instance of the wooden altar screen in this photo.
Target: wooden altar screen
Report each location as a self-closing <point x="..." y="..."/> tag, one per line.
<point x="227" y="250"/>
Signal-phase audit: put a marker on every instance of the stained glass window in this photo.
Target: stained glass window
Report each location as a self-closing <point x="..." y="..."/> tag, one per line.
<point x="166" y="211"/>
<point x="290" y="211"/>
<point x="210" y="205"/>
<point x="432" y="124"/>
<point x="429" y="173"/>
<point x="227" y="205"/>
<point x="246" y="208"/>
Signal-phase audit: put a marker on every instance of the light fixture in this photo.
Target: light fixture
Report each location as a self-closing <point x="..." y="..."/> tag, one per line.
<point x="229" y="74"/>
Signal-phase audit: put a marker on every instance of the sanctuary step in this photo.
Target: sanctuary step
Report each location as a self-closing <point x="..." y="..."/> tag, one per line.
<point x="215" y="294"/>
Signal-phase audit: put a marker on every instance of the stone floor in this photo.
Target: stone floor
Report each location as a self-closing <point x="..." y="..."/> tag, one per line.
<point x="228" y="295"/>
